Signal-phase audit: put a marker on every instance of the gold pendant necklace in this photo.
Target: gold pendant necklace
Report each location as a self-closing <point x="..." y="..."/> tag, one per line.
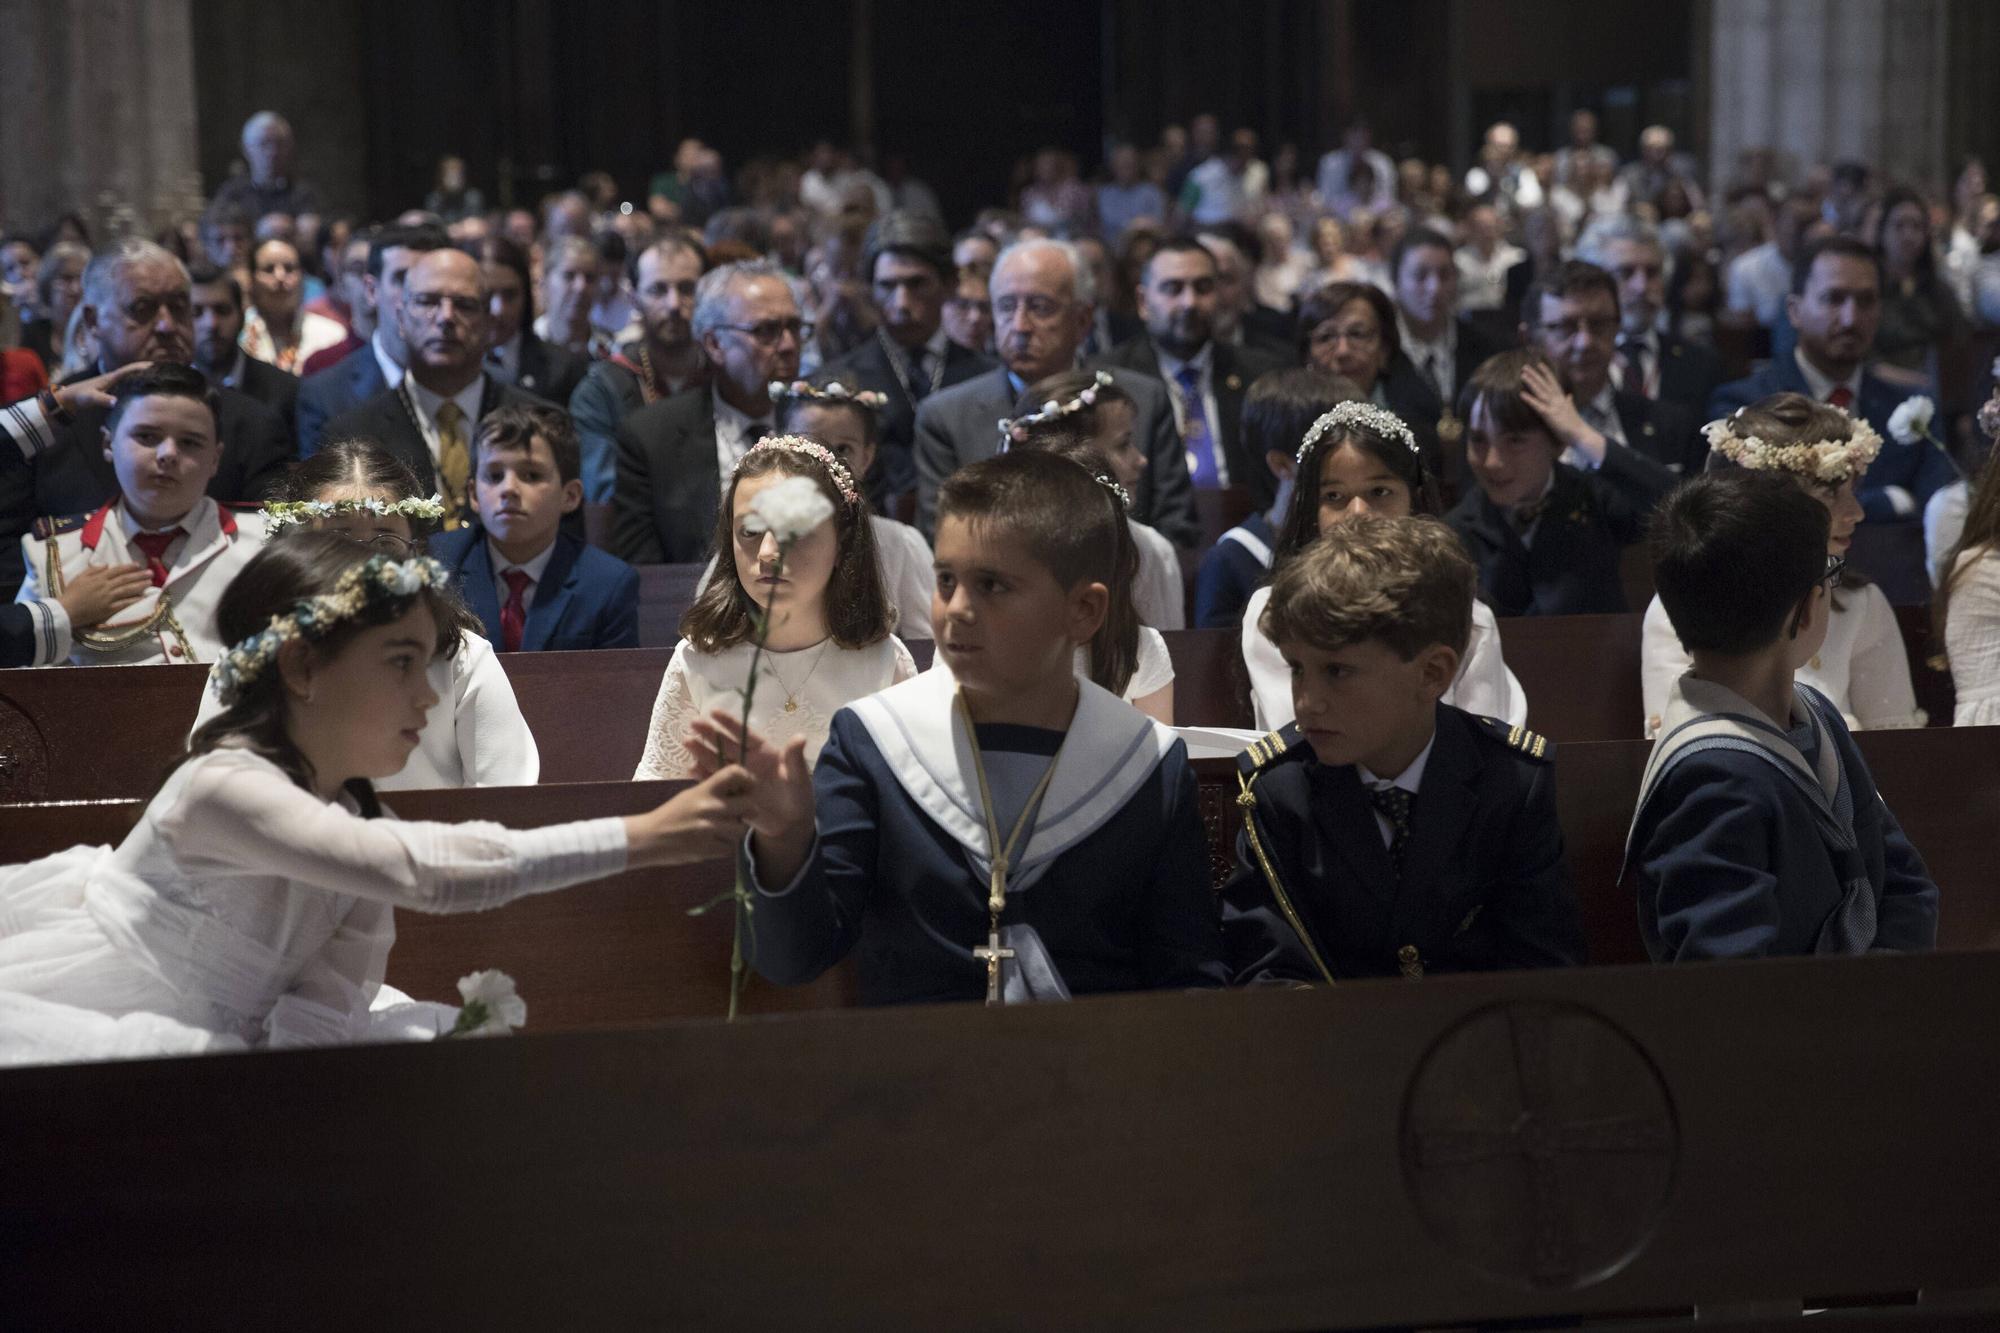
<point x="792" y="695"/>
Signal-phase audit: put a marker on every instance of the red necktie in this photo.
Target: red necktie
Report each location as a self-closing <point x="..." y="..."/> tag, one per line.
<point x="1842" y="397"/>
<point x="514" y="615"/>
<point x="153" y="545"/>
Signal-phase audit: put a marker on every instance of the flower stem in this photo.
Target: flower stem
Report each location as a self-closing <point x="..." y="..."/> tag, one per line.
<point x="739" y="973"/>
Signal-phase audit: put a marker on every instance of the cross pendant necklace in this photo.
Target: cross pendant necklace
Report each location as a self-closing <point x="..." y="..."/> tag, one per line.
<point x="991" y="953"/>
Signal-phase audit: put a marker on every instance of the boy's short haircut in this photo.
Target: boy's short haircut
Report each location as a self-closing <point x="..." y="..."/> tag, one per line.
<point x="514" y="428"/>
<point x="1734" y="553"/>
<point x="164" y="381"/>
<point x="208" y="275"/>
<point x="1404" y="581"/>
<point x="1497" y="382"/>
<point x="1282" y="405"/>
<point x="1055" y="508"/>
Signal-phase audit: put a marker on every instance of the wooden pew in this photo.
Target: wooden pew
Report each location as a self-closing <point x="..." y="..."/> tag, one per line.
<point x="1526" y="1150"/>
<point x="1580" y="673"/>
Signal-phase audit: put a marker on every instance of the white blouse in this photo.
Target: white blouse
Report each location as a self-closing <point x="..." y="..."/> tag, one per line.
<point x="1861" y="667"/>
<point x="1484" y="686"/>
<point x="482" y="742"/>
<point x="908" y="575"/>
<point x="244" y="906"/>
<point x="1159" y="594"/>
<point x="1972" y="639"/>
<point x="798" y="693"/>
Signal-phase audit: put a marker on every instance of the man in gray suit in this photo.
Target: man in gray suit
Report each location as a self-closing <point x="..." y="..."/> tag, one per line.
<point x="1043" y="308"/>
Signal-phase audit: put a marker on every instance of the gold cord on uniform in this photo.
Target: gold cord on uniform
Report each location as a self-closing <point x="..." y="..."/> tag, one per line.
<point x="996" y="896"/>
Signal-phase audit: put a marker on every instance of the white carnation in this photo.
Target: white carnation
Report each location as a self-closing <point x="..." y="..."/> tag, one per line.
<point x="403" y="580"/>
<point x="789" y="509"/>
<point x="491" y="1005"/>
<point x="1911" y="421"/>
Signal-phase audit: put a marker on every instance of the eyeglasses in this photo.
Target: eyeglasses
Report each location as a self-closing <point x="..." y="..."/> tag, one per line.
<point x="1836" y="565"/>
<point x="1354" y="335"/>
<point x="771" y="331"/>
<point x="388" y="543"/>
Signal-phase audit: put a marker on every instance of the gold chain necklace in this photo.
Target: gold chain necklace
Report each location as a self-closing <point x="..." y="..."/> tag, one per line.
<point x="996" y="892"/>
<point x="792" y="695"/>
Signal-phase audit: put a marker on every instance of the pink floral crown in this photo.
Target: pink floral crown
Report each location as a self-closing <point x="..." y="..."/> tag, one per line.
<point x="843" y="480"/>
<point x="1014" y="430"/>
<point x="835" y="392"/>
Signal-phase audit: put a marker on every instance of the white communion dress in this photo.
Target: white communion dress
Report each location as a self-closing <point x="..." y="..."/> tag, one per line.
<point x="1972" y="640"/>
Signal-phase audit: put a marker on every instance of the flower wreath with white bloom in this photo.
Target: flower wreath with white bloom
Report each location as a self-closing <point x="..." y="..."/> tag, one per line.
<point x="378" y="581"/>
<point x="1827" y="461"/>
<point x="280" y="513"/>
<point x="1014" y="430"/>
<point x="1380" y="420"/>
<point x="843" y="480"/>
<point x="835" y="392"/>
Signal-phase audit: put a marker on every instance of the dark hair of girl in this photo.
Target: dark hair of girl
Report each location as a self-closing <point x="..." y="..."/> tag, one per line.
<point x="1063" y="387"/>
<point x="280" y="576"/>
<point x="1114" y="649"/>
<point x="1793" y="418"/>
<point x="857" y="608"/>
<point x="1301" y="527"/>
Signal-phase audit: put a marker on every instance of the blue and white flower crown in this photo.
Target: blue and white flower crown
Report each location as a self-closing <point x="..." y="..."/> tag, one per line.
<point x="1014" y="430"/>
<point x="378" y="581"/>
<point x="1366" y="415"/>
<point x="279" y="513"/>
<point x="836" y="392"/>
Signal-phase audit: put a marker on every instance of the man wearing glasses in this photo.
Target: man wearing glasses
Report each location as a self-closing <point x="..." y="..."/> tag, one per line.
<point x="1043" y="307"/>
<point x="428" y="419"/>
<point x="673" y="454"/>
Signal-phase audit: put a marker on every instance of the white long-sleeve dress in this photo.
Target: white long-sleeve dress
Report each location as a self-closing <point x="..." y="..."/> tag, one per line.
<point x="1159" y="594"/>
<point x="1484" y="686"/>
<point x="1972" y="640"/>
<point x="243" y="910"/>
<point x="1861" y="667"/>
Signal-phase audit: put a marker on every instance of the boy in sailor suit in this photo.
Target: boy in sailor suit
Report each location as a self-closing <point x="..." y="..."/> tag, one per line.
<point x="1386" y="833"/>
<point x="1002" y="829"/>
<point x="162" y="441"/>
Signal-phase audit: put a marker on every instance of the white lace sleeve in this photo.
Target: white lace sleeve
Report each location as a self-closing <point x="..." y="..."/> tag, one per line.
<point x="495" y="747"/>
<point x="673" y="709"/>
<point x="1878" y="674"/>
<point x="1485" y="686"/>
<point x="239" y="815"/>
<point x="1155" y="670"/>
<point x="1662" y="661"/>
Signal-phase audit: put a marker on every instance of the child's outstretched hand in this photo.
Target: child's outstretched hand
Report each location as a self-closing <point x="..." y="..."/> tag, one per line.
<point x="784" y="799"/>
<point x="700" y="824"/>
<point x="1541" y="390"/>
<point x="102" y="591"/>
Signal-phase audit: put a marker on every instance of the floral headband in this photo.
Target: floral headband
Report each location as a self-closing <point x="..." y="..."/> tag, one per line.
<point x="835" y="392"/>
<point x="279" y="513"/>
<point x="1827" y="461"/>
<point x="1123" y="496"/>
<point x="843" y="480"/>
<point x="1380" y="420"/>
<point x="378" y="581"/>
<point x="1014" y="430"/>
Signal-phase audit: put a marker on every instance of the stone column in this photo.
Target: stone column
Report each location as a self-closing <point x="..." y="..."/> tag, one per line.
<point x="97" y="113"/>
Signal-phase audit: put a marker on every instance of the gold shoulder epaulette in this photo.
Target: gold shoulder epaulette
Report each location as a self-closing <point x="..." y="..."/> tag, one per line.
<point x="45" y="528"/>
<point x="1530" y="743"/>
<point x="1264" y="751"/>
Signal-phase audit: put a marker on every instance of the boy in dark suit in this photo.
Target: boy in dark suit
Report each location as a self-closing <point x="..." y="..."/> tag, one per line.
<point x="535" y="586"/>
<point x="1759" y="831"/>
<point x="1386" y="833"/>
<point x="1555" y="502"/>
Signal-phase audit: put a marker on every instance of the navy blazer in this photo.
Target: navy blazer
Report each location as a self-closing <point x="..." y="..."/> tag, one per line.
<point x="1233" y="370"/>
<point x="895" y="470"/>
<point x="586" y="599"/>
<point x="341" y="387"/>
<point x="1922" y="468"/>
<point x="1484" y="882"/>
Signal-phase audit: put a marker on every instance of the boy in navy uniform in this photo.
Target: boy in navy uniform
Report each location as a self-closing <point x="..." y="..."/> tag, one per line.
<point x="535" y="586"/>
<point x="1386" y="833"/>
<point x="1759" y="830"/>
<point x="1003" y="829"/>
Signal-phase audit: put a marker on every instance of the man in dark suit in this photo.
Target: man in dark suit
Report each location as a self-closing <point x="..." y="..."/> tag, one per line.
<point x="517" y="356"/>
<point x="137" y="307"/>
<point x="218" y="323"/>
<point x="429" y="419"/>
<point x="1572" y="315"/>
<point x="1205" y="380"/>
<point x="672" y="454"/>
<point x="363" y="374"/>
<point x="1664" y="367"/>
<point x="1042" y="306"/>
<point x="1836" y="304"/>
<point x="1239" y="320"/>
<point x="1442" y="347"/>
<point x="908" y="263"/>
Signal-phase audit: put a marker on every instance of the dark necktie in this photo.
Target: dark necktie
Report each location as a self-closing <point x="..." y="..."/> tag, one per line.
<point x="920" y="375"/>
<point x="1842" y="397"/>
<point x="1394" y="805"/>
<point x="1195" y="435"/>
<point x="153" y="545"/>
<point x="1632" y="357"/>
<point x="514" y="615"/>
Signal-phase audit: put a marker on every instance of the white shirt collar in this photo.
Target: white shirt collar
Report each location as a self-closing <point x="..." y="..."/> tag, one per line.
<point x="1605" y="404"/>
<point x="732" y="429"/>
<point x="1410" y="778"/>
<point x="534" y="567"/>
<point x="1820" y="385"/>
<point x="1202" y="361"/>
<point x="466" y="398"/>
<point x="1446" y="342"/>
<point x="391" y="372"/>
<point x="132" y="527"/>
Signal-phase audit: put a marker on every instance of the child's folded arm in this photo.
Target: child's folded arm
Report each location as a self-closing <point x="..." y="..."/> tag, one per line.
<point x="1707" y="865"/>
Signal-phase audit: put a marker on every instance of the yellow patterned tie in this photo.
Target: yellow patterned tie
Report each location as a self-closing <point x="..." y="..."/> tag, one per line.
<point x="454" y="461"/>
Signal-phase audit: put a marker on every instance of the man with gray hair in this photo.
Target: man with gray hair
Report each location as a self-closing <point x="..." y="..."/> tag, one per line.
<point x="1043" y="305"/>
<point x="138" y="308"/>
<point x="1656" y="365"/>
<point x="268" y="186"/>
<point x="673" y="454"/>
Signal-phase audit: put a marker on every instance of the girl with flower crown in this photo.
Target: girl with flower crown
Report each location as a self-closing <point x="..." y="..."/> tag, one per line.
<point x="1362" y="459"/>
<point x="253" y="904"/>
<point x="845" y="420"/>
<point x="363" y="492"/>
<point x="830" y="641"/>
<point x="1862" y="668"/>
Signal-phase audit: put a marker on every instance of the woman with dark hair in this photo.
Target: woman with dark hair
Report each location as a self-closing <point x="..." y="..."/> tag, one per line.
<point x="1349" y="329"/>
<point x="277" y="328"/>
<point x="1919" y="313"/>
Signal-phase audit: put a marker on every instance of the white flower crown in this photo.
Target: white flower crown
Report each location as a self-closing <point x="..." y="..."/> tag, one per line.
<point x="280" y="513"/>
<point x="377" y="580"/>
<point x="843" y="480"/>
<point x="1378" y="419"/>
<point x="835" y="392"/>
<point x="1828" y="461"/>
<point x="1014" y="430"/>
